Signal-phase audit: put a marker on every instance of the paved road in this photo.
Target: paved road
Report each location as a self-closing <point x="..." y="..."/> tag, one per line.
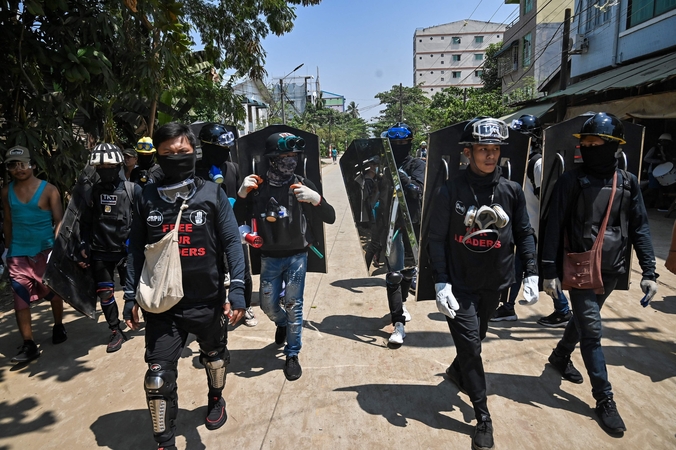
<point x="354" y="392"/>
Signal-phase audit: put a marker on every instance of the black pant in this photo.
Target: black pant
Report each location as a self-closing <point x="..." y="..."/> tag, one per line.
<point x="104" y="273"/>
<point x="468" y="329"/>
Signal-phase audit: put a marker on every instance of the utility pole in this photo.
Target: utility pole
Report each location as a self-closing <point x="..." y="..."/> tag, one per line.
<point x="401" y="103"/>
<point x="563" y="77"/>
<point x="281" y="99"/>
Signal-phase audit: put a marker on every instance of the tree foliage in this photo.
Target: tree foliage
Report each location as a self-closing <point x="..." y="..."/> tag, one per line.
<point x="490" y="78"/>
<point x="80" y="71"/>
<point x="413" y="105"/>
<point x="453" y="105"/>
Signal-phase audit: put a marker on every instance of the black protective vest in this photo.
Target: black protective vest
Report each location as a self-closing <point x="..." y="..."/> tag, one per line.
<point x="287" y="233"/>
<point x="588" y="211"/>
<point x="199" y="246"/>
<point x="111" y="217"/>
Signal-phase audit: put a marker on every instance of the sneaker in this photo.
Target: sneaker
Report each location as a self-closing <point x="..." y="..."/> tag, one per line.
<point x="29" y="351"/>
<point x="611" y="421"/>
<point x="280" y="335"/>
<point x="483" y="434"/>
<point x="398" y="334"/>
<point x="216" y="415"/>
<point x="292" y="369"/>
<point x="565" y="367"/>
<point x="455" y="378"/>
<point x="59" y="334"/>
<point x="556" y="319"/>
<point x="407" y="315"/>
<point x="504" y="313"/>
<point x="250" y="318"/>
<point x="116" y="341"/>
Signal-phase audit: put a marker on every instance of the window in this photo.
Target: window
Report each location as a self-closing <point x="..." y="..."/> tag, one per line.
<point x="456" y="40"/>
<point x="431" y="72"/>
<point x="478" y="57"/>
<point x="457" y="74"/>
<point x="498" y="36"/>
<point x="591" y="16"/>
<point x="442" y="78"/>
<point x="431" y="38"/>
<point x="442" y="55"/>
<point x="420" y="57"/>
<point x="419" y="40"/>
<point x="478" y="73"/>
<point x="515" y="57"/>
<point x="442" y="38"/>
<point x="478" y="39"/>
<point x="641" y="10"/>
<point x="431" y="89"/>
<point x="431" y="56"/>
<point x="442" y="62"/>
<point x="527" y="51"/>
<point x="456" y="58"/>
<point x="527" y="6"/>
<point x="443" y="71"/>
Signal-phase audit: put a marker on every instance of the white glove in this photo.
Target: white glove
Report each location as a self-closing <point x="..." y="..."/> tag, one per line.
<point x="531" y="292"/>
<point x="249" y="184"/>
<point x="553" y="288"/>
<point x="649" y="288"/>
<point x="305" y="194"/>
<point x="446" y="302"/>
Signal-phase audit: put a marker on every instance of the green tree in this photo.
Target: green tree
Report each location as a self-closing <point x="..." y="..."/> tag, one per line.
<point x="490" y="78"/>
<point x="453" y="105"/>
<point x="414" y="108"/>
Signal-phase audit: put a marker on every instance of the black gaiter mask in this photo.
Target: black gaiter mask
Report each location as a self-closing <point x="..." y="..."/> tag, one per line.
<point x="600" y="160"/>
<point x="109" y="175"/>
<point x="177" y="167"/>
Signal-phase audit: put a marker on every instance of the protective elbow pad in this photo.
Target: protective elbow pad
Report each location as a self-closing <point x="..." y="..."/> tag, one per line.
<point x="160" y="387"/>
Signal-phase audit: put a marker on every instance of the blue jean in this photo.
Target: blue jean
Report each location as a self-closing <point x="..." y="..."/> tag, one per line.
<point x="586" y="328"/>
<point x="395" y="262"/>
<point x="290" y="270"/>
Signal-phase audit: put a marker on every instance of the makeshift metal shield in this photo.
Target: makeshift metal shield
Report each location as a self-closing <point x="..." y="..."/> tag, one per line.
<point x="251" y="160"/>
<point x="561" y="152"/>
<point x="445" y="161"/>
<point x="75" y="285"/>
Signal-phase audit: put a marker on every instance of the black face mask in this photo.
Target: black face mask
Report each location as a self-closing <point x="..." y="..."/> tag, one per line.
<point x="401" y="151"/>
<point x="145" y="160"/>
<point x="109" y="175"/>
<point x="600" y="160"/>
<point x="177" y="167"/>
<point x="214" y="155"/>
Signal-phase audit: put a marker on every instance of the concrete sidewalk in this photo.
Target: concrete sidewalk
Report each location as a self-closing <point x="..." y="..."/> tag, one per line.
<point x="354" y="392"/>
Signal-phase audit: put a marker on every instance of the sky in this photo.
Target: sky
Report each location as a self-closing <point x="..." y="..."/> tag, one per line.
<point x="363" y="47"/>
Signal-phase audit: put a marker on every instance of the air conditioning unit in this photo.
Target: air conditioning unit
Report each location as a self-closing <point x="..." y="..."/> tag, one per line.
<point x="578" y="45"/>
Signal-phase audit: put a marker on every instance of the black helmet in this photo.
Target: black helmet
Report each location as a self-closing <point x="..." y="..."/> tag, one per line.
<point x="278" y="143"/>
<point x="485" y="130"/>
<point x="604" y="125"/>
<point x="217" y="134"/>
<point x="528" y="124"/>
<point x="106" y="154"/>
<point x="399" y="131"/>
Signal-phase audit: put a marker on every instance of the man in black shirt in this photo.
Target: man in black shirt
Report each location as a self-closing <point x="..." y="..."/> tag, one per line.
<point x="207" y="230"/>
<point x="479" y="216"/>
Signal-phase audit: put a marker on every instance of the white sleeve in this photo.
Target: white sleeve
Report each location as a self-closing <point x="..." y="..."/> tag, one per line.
<point x="537" y="173"/>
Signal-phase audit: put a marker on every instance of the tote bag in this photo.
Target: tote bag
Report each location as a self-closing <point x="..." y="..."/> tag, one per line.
<point x="161" y="284"/>
<point x="583" y="270"/>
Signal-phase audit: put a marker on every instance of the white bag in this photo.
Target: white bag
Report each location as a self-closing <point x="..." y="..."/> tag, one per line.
<point x="161" y="283"/>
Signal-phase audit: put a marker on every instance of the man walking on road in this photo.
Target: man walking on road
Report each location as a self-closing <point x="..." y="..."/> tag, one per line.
<point x="33" y="213"/>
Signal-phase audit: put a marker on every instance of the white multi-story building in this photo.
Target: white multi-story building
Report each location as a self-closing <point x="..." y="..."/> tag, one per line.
<point x="452" y="54"/>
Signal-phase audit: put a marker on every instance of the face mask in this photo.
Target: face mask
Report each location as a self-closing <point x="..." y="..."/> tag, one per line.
<point x="401" y="151"/>
<point x="145" y="160"/>
<point x="213" y="155"/>
<point x="600" y="159"/>
<point x="109" y="175"/>
<point x="282" y="169"/>
<point x="177" y="167"/>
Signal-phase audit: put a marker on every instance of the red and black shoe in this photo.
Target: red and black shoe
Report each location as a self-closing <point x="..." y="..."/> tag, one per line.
<point x="216" y="415"/>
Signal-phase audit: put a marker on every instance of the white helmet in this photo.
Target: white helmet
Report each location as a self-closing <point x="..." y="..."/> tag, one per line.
<point x="106" y="154"/>
<point x="665" y="137"/>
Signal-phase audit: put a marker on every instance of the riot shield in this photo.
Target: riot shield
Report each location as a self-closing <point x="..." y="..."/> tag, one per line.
<point x="250" y="150"/>
<point x="561" y="152"/>
<point x="377" y="200"/>
<point x="445" y="161"/>
<point x="75" y="285"/>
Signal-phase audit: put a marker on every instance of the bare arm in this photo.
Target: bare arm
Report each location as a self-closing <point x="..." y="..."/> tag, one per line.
<point x="56" y="207"/>
<point x="7" y="224"/>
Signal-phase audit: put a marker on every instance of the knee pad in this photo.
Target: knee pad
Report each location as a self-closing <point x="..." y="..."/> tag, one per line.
<point x="393" y="278"/>
<point x="216" y="368"/>
<point x="408" y="274"/>
<point x="105" y="291"/>
<point x="160" y="387"/>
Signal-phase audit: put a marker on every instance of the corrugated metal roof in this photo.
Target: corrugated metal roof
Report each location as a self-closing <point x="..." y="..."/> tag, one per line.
<point x="632" y="75"/>
<point x="538" y="110"/>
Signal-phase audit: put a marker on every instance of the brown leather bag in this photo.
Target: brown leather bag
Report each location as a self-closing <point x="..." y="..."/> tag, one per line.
<point x="583" y="270"/>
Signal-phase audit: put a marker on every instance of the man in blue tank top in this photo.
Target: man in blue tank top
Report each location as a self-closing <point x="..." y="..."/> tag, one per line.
<point x="33" y="212"/>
